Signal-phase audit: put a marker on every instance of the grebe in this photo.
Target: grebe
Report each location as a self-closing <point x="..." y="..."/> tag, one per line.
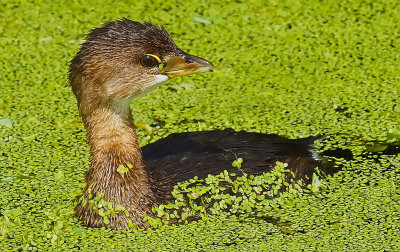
<point x="121" y="60"/>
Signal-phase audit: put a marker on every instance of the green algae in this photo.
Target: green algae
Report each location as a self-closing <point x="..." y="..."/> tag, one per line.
<point x="295" y="68"/>
<point x="241" y="194"/>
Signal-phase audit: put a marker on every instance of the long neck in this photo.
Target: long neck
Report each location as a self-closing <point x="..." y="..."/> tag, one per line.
<point x="117" y="170"/>
<point x="112" y="138"/>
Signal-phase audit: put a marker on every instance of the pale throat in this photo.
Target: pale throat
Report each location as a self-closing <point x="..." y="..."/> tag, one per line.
<point x="149" y="87"/>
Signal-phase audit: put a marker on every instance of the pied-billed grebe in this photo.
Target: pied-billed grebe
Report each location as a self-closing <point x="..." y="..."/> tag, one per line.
<point x="120" y="61"/>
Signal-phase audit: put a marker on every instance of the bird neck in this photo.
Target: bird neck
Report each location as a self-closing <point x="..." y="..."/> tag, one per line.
<point x="117" y="170"/>
<point x="112" y="136"/>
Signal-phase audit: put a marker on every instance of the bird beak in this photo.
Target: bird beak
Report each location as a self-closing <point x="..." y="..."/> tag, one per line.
<point x="184" y="65"/>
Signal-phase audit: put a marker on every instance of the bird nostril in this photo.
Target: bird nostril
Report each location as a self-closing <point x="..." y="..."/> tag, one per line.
<point x="189" y="60"/>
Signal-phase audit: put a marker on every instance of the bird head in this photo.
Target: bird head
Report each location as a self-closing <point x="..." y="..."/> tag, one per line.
<point x="124" y="59"/>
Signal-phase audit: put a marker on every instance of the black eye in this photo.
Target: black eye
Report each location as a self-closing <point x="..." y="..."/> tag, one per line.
<point x="149" y="61"/>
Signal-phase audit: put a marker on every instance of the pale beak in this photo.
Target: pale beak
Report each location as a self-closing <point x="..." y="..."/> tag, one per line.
<point x="183" y="65"/>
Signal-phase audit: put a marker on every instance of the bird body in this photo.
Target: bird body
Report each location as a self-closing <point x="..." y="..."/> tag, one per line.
<point x="182" y="156"/>
<point x="122" y="60"/>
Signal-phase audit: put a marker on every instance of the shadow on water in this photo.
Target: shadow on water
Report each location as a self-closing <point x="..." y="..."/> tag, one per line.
<point x="373" y="150"/>
<point x="339" y="153"/>
<point x="379" y="151"/>
<point x="388" y="149"/>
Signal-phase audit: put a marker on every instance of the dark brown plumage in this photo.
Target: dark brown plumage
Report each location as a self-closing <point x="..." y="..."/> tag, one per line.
<point x="120" y="61"/>
<point x="182" y="156"/>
